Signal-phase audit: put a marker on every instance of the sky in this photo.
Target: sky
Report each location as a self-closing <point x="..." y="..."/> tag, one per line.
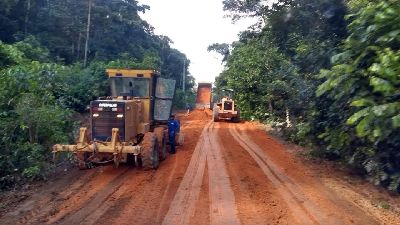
<point x="193" y="25"/>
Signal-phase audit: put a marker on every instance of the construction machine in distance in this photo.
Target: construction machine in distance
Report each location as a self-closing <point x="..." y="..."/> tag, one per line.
<point x="204" y="96"/>
<point x="226" y="109"/>
<point x="130" y="126"/>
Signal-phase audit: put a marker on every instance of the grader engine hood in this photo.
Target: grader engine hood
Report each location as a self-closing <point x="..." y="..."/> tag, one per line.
<point x="109" y="114"/>
<point x="106" y="115"/>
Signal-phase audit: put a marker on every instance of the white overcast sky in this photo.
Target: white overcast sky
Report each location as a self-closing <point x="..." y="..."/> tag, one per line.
<point x="193" y="25"/>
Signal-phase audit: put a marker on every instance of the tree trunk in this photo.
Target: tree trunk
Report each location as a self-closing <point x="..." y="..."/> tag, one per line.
<point x="87" y="34"/>
<point x="31" y="131"/>
<point x="28" y="10"/>
<point x="183" y="78"/>
<point x="288" y="123"/>
<point x="270" y="107"/>
<point x="78" y="50"/>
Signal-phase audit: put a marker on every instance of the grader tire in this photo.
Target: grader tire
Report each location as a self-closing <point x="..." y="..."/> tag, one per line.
<point x="179" y="139"/>
<point x="81" y="158"/>
<point x="215" y="114"/>
<point x="237" y="118"/>
<point x="161" y="134"/>
<point x="150" y="154"/>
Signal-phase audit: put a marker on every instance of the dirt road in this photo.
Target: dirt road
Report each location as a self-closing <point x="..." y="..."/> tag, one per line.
<point x="224" y="174"/>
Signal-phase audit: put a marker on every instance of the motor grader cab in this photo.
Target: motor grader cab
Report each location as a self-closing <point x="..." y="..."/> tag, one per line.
<point x="226" y="109"/>
<point x="128" y="126"/>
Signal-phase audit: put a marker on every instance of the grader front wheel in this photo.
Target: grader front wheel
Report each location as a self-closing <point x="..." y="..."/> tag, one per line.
<point x="150" y="154"/>
<point x="81" y="160"/>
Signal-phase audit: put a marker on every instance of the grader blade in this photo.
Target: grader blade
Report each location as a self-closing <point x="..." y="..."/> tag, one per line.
<point x="115" y="148"/>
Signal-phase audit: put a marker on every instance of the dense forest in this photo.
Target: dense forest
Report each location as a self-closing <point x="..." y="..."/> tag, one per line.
<point x="329" y="71"/>
<point x="53" y="56"/>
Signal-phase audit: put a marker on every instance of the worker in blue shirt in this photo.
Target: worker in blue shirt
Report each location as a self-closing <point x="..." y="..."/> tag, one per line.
<point x="173" y="129"/>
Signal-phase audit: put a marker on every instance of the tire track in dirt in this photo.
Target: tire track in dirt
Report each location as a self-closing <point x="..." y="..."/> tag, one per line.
<point x="37" y="208"/>
<point x="306" y="211"/>
<point x="134" y="199"/>
<point x="120" y="188"/>
<point x="258" y="200"/>
<point x="222" y="208"/>
<point x="170" y="178"/>
<point x="201" y="215"/>
<point x="182" y="206"/>
<point x="76" y="210"/>
<point x="308" y="178"/>
<point x="222" y="200"/>
<point x="167" y="190"/>
<point x="149" y="193"/>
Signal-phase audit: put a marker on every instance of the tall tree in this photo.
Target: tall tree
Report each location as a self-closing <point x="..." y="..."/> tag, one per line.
<point x="87" y="32"/>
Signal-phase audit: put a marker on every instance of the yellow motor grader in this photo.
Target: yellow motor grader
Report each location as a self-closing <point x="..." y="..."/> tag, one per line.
<point x="226" y="109"/>
<point x="130" y="126"/>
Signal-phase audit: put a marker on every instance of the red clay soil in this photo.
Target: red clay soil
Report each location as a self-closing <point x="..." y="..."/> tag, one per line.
<point x="223" y="172"/>
<point x="257" y="198"/>
<point x="203" y="95"/>
<point x="343" y="199"/>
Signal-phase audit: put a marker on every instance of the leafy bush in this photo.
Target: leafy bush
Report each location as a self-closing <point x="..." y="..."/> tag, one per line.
<point x="365" y="82"/>
<point x="76" y="87"/>
<point x="30" y="118"/>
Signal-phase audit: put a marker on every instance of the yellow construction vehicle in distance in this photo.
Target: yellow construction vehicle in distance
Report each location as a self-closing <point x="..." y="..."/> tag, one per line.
<point x="130" y="125"/>
<point x="226" y="109"/>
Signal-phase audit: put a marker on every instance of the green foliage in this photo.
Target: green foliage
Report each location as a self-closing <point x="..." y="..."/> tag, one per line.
<point x="31" y="121"/>
<point x="76" y="87"/>
<point x="273" y="69"/>
<point x="182" y="98"/>
<point x="222" y="49"/>
<point x="55" y="31"/>
<point x="9" y="55"/>
<point x="32" y="49"/>
<point x="150" y="61"/>
<point x="335" y="66"/>
<point x="365" y="80"/>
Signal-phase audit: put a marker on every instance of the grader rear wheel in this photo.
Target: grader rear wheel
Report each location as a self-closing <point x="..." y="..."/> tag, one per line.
<point x="161" y="134"/>
<point x="236" y="119"/>
<point x="215" y="114"/>
<point x="150" y="154"/>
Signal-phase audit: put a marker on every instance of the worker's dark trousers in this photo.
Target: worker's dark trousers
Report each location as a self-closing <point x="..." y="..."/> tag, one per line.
<point x="172" y="143"/>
